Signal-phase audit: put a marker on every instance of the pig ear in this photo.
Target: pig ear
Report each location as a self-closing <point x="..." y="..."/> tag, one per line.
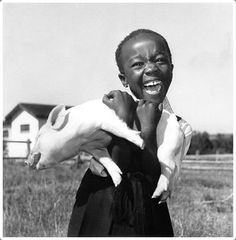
<point x="56" y="112"/>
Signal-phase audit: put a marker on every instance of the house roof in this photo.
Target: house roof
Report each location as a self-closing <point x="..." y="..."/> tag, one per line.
<point x="37" y="110"/>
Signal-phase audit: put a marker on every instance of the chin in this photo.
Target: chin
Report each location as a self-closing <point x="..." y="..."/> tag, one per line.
<point x="154" y="98"/>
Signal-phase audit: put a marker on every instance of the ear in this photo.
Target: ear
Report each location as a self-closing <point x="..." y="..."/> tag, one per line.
<point x="172" y="67"/>
<point x="57" y="112"/>
<point x="123" y="79"/>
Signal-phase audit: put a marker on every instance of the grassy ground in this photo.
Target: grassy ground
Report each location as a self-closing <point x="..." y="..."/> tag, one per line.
<point x="39" y="204"/>
<point x="202" y="204"/>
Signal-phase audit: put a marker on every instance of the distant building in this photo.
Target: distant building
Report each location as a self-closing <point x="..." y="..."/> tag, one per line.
<point x="22" y="124"/>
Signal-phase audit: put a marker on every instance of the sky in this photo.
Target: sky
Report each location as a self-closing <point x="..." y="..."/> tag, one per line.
<point x="63" y="53"/>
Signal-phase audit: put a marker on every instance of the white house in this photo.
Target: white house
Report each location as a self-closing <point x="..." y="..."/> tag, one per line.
<point x="22" y="124"/>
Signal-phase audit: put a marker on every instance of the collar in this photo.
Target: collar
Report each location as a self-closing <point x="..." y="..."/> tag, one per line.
<point x="166" y="103"/>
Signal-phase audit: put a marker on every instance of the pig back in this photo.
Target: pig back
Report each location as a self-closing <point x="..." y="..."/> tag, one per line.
<point x="88" y="117"/>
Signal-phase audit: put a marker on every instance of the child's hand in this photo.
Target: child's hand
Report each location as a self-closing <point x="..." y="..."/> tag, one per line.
<point x="162" y="189"/>
<point x="122" y="103"/>
<point x="149" y="115"/>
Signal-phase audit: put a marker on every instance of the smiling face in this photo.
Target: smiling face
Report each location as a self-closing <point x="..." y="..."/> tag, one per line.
<point x="147" y="67"/>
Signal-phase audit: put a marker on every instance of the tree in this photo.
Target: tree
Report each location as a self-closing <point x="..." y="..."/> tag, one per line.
<point x="202" y="143"/>
<point x="206" y="145"/>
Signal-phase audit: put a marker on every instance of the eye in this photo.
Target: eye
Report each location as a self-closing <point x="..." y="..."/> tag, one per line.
<point x="137" y="64"/>
<point x="161" y="60"/>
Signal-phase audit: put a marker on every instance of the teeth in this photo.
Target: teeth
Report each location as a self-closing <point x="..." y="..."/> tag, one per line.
<point x="153" y="83"/>
<point x="153" y="92"/>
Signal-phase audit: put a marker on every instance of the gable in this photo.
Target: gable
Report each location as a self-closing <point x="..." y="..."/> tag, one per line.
<point x="24" y="126"/>
<point x="39" y="111"/>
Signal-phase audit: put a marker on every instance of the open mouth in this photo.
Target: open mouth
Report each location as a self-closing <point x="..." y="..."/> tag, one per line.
<point x="152" y="87"/>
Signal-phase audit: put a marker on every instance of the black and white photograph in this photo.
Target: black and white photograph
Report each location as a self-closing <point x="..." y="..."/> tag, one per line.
<point x="117" y="119"/>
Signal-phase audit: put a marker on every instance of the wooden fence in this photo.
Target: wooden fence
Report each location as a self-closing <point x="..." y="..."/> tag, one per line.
<point x="208" y="162"/>
<point x="28" y="142"/>
<point x="191" y="162"/>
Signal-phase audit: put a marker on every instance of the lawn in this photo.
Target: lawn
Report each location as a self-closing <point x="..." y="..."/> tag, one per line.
<point x="39" y="204"/>
<point x="202" y="204"/>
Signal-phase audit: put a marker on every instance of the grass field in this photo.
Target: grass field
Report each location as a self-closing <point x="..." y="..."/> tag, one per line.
<point x="39" y="204"/>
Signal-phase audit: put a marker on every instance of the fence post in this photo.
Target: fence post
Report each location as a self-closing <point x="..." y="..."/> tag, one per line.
<point x="217" y="155"/>
<point x="28" y="147"/>
<point x="197" y="154"/>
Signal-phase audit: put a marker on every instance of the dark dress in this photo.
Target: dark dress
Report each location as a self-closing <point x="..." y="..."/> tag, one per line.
<point x="102" y="210"/>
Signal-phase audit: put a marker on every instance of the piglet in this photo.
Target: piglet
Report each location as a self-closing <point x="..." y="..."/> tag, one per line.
<point x="67" y="130"/>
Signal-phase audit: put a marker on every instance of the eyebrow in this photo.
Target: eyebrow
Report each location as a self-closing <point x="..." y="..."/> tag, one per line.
<point x="161" y="53"/>
<point x="155" y="53"/>
<point x="133" y="57"/>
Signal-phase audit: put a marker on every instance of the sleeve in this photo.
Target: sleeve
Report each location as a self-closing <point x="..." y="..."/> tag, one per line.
<point x="187" y="130"/>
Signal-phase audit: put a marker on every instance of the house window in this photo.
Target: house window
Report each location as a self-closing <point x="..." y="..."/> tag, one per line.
<point x="5" y="134"/>
<point x="24" y="128"/>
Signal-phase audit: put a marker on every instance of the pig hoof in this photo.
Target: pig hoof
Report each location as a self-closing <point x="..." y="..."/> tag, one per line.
<point x="116" y="179"/>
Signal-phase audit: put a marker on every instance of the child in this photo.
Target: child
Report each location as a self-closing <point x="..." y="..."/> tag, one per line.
<point x="144" y="62"/>
<point x="145" y="66"/>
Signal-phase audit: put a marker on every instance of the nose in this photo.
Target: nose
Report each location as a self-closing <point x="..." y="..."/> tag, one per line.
<point x="151" y="68"/>
<point x="33" y="160"/>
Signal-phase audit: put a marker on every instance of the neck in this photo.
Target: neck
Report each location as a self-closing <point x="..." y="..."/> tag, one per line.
<point x="166" y="103"/>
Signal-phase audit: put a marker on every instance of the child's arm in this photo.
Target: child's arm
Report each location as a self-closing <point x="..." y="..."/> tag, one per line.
<point x="149" y="114"/>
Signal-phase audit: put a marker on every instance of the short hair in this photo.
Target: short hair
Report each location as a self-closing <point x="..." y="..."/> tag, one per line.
<point x="133" y="34"/>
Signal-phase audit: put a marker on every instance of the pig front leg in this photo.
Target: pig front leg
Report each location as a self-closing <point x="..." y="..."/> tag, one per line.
<point x="113" y="124"/>
<point x="167" y="163"/>
<point x="102" y="156"/>
<point x="97" y="146"/>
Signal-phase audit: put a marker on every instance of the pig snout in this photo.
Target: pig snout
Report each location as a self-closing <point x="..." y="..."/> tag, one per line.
<point x="33" y="160"/>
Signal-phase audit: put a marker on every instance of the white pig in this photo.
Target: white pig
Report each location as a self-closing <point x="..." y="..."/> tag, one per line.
<point x="66" y="130"/>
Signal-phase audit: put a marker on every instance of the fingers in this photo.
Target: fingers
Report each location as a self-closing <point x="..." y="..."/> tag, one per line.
<point x="146" y="103"/>
<point x="162" y="190"/>
<point x="117" y="94"/>
<point x="108" y="101"/>
<point x="112" y="98"/>
<point x="164" y="196"/>
<point x="162" y="186"/>
<point x="113" y="94"/>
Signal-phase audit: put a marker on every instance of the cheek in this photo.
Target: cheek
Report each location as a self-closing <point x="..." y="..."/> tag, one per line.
<point x="135" y="79"/>
<point x="45" y="144"/>
<point x="136" y="88"/>
<point x="167" y="71"/>
<point x="167" y="76"/>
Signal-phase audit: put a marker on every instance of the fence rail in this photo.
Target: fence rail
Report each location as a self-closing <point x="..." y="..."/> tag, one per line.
<point x="208" y="162"/>
<point x="212" y="157"/>
<point x="191" y="162"/>
<point x="27" y="142"/>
